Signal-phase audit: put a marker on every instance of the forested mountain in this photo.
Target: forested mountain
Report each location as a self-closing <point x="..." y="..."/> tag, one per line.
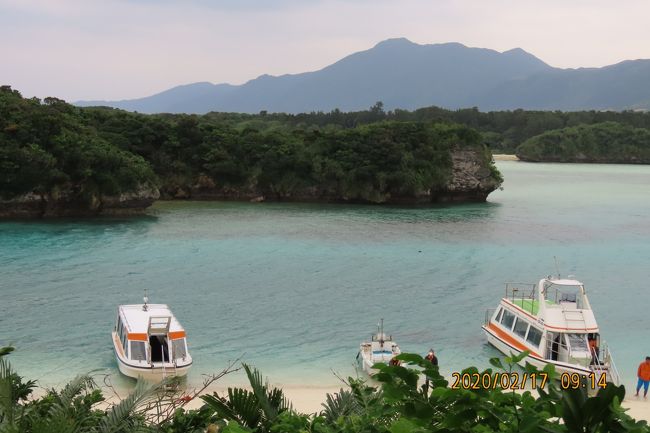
<point x="398" y="72"/>
<point x="407" y="75"/>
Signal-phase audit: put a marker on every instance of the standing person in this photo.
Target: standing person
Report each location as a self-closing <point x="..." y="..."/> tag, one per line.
<point x="431" y="357"/>
<point x="644" y="377"/>
<point x="593" y="348"/>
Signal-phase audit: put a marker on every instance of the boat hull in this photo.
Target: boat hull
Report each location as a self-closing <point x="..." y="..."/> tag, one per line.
<point x="366" y="366"/>
<point x="151" y="374"/>
<point x="367" y="361"/>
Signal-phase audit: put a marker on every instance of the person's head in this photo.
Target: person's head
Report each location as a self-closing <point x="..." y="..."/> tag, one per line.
<point x="647" y="359"/>
<point x="431" y="353"/>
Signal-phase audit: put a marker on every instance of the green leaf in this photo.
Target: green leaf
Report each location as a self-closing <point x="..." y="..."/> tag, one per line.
<point x="233" y="427"/>
<point x="410" y="358"/>
<point x="496" y="362"/>
<point x="403" y="425"/>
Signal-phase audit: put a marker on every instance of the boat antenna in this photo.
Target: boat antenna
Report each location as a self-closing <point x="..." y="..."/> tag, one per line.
<point x="557" y="268"/>
<point x="146" y="300"/>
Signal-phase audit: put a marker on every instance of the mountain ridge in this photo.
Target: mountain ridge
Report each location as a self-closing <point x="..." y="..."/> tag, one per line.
<point x="406" y="75"/>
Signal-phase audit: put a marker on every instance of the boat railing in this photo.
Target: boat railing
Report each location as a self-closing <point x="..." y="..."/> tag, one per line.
<point x="521" y="291"/>
<point x="488" y="315"/>
<point x="604" y="362"/>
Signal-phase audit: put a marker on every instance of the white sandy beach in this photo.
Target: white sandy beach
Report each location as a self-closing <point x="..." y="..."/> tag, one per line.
<point x="504" y="157"/>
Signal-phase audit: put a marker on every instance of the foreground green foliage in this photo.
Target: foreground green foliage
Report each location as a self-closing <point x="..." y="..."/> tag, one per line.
<point x="400" y="405"/>
<point x="603" y="142"/>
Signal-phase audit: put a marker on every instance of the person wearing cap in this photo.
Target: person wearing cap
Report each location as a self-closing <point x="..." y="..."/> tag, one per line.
<point x="431" y="357"/>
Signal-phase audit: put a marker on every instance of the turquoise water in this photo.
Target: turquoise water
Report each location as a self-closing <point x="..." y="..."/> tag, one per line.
<point x="294" y="288"/>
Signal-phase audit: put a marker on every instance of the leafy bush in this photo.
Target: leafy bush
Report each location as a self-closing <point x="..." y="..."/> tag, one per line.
<point x="602" y="142"/>
<point x="51" y="146"/>
<point x="45" y="147"/>
<point x="400" y="405"/>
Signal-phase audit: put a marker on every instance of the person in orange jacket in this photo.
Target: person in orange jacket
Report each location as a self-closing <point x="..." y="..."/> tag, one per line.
<point x="644" y="377"/>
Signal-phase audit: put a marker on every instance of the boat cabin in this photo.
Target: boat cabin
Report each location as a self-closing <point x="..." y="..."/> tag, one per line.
<point x="149" y="341"/>
<point x="554" y="321"/>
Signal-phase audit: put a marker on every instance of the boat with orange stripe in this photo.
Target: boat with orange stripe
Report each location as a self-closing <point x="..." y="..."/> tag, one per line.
<point x="554" y="322"/>
<point x="149" y="342"/>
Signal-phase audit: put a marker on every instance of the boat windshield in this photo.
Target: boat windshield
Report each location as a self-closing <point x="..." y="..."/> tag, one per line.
<point x="578" y="342"/>
<point x="560" y="293"/>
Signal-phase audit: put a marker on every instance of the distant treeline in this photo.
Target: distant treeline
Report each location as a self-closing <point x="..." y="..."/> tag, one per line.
<point x="502" y="131"/>
<point x="607" y="142"/>
<point x="50" y="145"/>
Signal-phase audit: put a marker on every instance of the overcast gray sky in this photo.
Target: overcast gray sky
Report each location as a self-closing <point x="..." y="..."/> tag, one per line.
<point x="121" y="49"/>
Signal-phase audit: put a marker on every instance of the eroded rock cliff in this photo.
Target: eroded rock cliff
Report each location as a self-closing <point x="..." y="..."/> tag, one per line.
<point x="69" y="203"/>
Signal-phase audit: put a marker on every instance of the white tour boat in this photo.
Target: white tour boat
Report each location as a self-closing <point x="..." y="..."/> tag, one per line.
<point x="380" y="349"/>
<point x="553" y="320"/>
<point x="149" y="342"/>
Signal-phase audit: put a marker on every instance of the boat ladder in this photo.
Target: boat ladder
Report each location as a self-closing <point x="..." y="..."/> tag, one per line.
<point x="159" y="325"/>
<point x="168" y="371"/>
<point x="603" y="362"/>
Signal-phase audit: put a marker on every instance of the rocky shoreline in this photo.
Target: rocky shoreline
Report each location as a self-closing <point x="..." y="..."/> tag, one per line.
<point x="471" y="180"/>
<point x="69" y="203"/>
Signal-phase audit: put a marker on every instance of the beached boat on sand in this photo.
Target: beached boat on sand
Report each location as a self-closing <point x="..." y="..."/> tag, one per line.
<point x="553" y="320"/>
<point x="380" y="349"/>
<point x="149" y="342"/>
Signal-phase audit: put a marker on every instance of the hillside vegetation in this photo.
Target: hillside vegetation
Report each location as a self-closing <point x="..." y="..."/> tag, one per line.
<point x="87" y="155"/>
<point x="51" y="145"/>
<point x="608" y="142"/>
<point x="47" y="146"/>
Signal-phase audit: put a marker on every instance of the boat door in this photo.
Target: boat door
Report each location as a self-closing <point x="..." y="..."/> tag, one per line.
<point x="556" y="347"/>
<point x="159" y="346"/>
<point x="564" y="350"/>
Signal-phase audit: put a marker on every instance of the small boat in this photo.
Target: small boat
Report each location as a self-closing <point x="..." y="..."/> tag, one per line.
<point x="554" y="322"/>
<point x="149" y="342"/>
<point x="381" y="349"/>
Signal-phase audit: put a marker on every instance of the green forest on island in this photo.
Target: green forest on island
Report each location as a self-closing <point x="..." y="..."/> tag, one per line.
<point x="47" y="145"/>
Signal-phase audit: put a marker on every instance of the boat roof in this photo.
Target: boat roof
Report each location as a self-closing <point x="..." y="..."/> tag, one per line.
<point x="137" y="320"/>
<point x="564" y="282"/>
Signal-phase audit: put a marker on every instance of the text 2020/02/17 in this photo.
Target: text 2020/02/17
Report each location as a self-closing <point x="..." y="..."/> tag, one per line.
<point x="525" y="380"/>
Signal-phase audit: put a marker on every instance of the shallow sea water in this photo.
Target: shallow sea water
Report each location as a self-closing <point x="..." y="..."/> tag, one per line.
<point x="294" y="288"/>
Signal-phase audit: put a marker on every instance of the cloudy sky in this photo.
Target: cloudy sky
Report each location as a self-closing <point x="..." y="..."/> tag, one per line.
<point x="118" y="49"/>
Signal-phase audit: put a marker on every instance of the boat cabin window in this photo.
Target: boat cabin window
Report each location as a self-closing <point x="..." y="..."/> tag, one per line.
<point x="578" y="342"/>
<point x="138" y="351"/>
<point x="178" y="348"/>
<point x="124" y="343"/>
<point x="499" y="313"/>
<point x="507" y="319"/>
<point x="121" y="333"/>
<point x="521" y="327"/>
<point x="534" y="336"/>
